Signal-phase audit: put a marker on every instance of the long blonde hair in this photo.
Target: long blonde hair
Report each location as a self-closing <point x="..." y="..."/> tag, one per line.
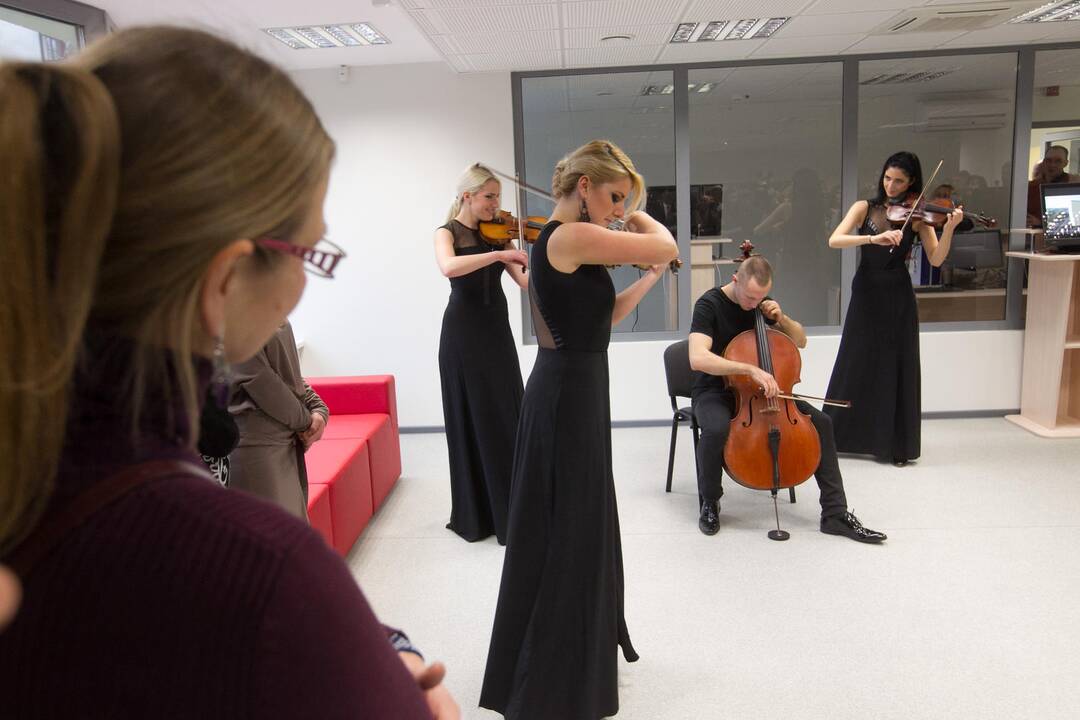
<point x="127" y="171"/>
<point x="473" y="180"/>
<point x="602" y="161"/>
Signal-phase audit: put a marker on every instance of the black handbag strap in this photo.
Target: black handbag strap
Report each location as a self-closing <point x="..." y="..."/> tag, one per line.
<point x="59" y="525"/>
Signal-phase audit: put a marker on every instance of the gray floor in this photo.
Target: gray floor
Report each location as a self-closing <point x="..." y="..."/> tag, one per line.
<point x="969" y="610"/>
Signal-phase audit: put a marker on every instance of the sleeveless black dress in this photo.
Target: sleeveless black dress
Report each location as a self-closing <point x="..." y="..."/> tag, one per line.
<point x="481" y="392"/>
<point x="560" y="611"/>
<point x="877" y="367"/>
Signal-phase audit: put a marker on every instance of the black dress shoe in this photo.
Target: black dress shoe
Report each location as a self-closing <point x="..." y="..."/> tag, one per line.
<point x="709" y="522"/>
<point x="848" y="525"/>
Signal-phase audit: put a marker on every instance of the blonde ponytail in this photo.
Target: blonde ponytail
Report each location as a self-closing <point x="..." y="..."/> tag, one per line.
<point x="217" y="144"/>
<point x="60" y="139"/>
<point x="475" y="177"/>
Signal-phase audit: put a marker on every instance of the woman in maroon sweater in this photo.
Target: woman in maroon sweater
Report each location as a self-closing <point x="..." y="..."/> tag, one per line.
<point x="160" y="197"/>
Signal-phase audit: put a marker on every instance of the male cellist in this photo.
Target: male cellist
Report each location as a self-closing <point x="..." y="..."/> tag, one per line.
<point x="719" y="315"/>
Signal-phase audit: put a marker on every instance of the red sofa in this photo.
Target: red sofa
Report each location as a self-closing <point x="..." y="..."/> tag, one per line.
<point x="358" y="459"/>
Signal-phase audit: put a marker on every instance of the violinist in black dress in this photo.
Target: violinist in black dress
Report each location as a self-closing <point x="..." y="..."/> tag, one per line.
<point x="478" y="361"/>
<point x="559" y="619"/>
<point x="877" y="367"/>
<point x="720" y="315"/>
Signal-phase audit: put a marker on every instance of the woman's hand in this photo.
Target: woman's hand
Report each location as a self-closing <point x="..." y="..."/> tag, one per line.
<point x="639" y="221"/>
<point x="890" y="238"/>
<point x="514" y="257"/>
<point x="657" y="270"/>
<point x="955" y="218"/>
<point x="315" y="431"/>
<point x="429" y="679"/>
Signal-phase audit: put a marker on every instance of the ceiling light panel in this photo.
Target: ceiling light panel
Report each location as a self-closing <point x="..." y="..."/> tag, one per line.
<point x="741" y="29"/>
<point x="308" y="37"/>
<point x="770" y="27"/>
<point x="1051" y="12"/>
<point x="683" y="32"/>
<point x="712" y="30"/>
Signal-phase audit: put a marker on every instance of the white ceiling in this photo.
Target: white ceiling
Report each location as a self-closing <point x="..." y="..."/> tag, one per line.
<point x="501" y="35"/>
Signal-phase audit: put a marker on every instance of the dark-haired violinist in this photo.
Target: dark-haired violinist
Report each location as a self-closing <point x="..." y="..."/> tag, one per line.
<point x="719" y="316"/>
<point x="478" y="361"/>
<point x="877" y="366"/>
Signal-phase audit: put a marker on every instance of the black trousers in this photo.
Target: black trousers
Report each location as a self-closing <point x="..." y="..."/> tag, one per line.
<point x="714" y="408"/>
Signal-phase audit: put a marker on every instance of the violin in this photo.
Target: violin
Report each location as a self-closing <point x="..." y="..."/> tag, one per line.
<point x="499" y="231"/>
<point x="620" y="224"/>
<point x="932" y="212"/>
<point x="505" y="227"/>
<point x="771" y="444"/>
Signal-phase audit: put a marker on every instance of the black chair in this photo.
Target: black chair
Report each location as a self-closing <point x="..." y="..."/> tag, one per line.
<point x="680" y="378"/>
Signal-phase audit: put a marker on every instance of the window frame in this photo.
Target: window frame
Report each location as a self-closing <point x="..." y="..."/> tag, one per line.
<point x="91" y="23"/>
<point x="1022" y="126"/>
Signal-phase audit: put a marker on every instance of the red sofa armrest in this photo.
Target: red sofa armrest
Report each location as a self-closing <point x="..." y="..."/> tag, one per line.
<point x="358" y="395"/>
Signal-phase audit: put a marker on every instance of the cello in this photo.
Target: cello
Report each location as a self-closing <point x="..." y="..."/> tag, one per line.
<point x="772" y="444"/>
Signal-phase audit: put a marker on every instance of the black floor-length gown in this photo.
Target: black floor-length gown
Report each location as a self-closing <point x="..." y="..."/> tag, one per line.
<point x="560" y="611"/>
<point x="877" y="367"/>
<point x="481" y="391"/>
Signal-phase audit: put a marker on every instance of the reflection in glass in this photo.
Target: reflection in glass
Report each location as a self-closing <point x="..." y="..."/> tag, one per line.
<point x="1054" y="154"/>
<point x="765" y="167"/>
<point x="633" y="110"/>
<point x="958" y="109"/>
<point x="32" y="38"/>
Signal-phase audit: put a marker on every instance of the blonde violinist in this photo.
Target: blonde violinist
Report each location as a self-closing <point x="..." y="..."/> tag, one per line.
<point x="478" y="361"/>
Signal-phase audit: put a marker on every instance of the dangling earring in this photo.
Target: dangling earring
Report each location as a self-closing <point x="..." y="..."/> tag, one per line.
<point x="584" y="215"/>
<point x="221" y="379"/>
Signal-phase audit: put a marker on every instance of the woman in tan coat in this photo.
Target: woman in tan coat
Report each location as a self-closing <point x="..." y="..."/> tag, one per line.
<point x="279" y="417"/>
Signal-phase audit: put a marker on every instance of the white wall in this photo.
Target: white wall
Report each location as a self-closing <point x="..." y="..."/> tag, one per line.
<point x="404" y="133"/>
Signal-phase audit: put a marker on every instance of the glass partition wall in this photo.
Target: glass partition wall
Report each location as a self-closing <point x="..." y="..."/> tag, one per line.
<point x="774" y="152"/>
<point x="957" y="110"/>
<point x="635" y="110"/>
<point x="765" y="149"/>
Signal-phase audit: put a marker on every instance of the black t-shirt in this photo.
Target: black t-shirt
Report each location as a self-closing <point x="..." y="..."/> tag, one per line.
<point x="721" y="318"/>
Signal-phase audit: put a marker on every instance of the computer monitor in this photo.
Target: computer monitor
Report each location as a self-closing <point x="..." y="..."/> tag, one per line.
<point x="1061" y="215"/>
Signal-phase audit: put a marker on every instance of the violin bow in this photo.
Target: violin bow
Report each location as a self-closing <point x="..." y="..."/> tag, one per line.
<point x="926" y="184"/>
<point x="523" y="185"/>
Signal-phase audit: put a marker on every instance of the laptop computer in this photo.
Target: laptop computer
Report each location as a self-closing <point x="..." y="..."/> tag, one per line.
<point x="1061" y="215"/>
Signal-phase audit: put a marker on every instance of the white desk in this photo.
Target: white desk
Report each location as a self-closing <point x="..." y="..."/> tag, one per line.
<point x="703" y="265"/>
<point x="1050" y="389"/>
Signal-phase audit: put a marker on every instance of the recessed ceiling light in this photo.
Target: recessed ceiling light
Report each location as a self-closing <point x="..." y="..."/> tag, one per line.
<point x="657" y="90"/>
<point x="683" y="32"/>
<point x="771" y="26"/>
<point x="307" y="37"/>
<point x="712" y="30"/>
<point x="1051" y="12"/>
<point x="741" y="28"/>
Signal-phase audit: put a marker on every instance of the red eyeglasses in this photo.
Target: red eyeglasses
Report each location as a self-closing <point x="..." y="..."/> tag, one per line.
<point x="319" y="260"/>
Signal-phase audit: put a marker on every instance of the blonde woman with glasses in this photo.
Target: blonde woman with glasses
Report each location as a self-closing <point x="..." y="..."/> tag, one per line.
<point x="160" y="198"/>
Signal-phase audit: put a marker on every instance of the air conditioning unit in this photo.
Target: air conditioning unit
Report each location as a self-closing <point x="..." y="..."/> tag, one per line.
<point x="971" y="114"/>
<point x="955" y="18"/>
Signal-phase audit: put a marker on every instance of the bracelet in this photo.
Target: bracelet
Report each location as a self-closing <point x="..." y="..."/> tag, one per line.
<point x="401" y="643"/>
